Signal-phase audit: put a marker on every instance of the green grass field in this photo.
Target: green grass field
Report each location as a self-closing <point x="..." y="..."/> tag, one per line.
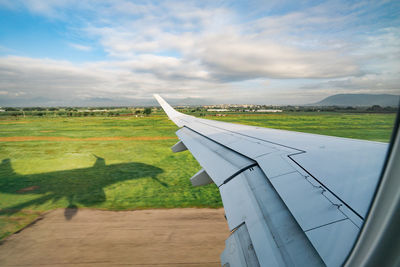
<point x="375" y="127"/>
<point x="125" y="163"/>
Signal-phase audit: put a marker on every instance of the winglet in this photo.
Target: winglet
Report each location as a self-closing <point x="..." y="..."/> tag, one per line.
<point x="172" y="113"/>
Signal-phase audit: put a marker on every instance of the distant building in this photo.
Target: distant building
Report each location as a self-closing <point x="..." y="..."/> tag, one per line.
<point x="269" y="110"/>
<point x="217" y="109"/>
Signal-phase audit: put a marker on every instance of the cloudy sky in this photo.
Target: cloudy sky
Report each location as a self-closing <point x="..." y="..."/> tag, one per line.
<point x="120" y="52"/>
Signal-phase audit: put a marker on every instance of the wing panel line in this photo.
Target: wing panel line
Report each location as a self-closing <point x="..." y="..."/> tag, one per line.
<point x="324" y="186"/>
<point x="326" y="224"/>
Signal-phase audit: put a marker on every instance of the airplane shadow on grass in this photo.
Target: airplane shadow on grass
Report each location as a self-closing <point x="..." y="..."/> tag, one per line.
<point x="83" y="186"/>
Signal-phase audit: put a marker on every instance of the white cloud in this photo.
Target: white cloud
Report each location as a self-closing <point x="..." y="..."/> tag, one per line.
<point x="80" y="47"/>
<point x="64" y="82"/>
<point x="235" y="57"/>
<point x="206" y="49"/>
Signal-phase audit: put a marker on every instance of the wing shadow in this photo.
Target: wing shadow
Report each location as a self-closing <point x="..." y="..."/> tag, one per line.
<point x="83" y="186"/>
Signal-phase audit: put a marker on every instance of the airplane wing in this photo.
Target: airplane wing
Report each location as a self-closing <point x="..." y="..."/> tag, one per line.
<point x="290" y="198"/>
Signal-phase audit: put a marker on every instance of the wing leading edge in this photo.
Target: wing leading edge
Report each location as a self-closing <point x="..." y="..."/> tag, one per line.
<point x="290" y="198"/>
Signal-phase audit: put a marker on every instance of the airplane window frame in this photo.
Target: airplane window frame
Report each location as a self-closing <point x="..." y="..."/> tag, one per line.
<point x="378" y="243"/>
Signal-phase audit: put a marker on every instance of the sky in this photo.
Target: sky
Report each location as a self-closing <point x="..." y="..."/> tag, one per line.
<point x="120" y="52"/>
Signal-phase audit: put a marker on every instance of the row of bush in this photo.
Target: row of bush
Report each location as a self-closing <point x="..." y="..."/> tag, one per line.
<point x="72" y="113"/>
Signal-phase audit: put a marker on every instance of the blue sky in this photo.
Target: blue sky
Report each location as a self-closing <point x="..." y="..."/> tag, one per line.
<point x="101" y="52"/>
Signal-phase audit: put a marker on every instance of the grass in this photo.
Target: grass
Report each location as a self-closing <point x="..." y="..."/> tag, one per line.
<point x="37" y="176"/>
<point x="375" y="127"/>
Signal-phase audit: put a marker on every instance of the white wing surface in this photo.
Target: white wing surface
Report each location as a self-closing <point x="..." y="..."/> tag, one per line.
<point x="290" y="198"/>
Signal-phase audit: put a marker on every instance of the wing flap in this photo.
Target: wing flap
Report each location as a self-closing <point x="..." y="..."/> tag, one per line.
<point x="277" y="239"/>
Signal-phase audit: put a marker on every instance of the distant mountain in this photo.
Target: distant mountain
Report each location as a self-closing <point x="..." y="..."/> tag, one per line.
<point x="383" y="100"/>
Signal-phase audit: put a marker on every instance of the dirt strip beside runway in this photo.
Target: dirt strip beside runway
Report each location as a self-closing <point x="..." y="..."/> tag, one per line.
<point x="84" y="237"/>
